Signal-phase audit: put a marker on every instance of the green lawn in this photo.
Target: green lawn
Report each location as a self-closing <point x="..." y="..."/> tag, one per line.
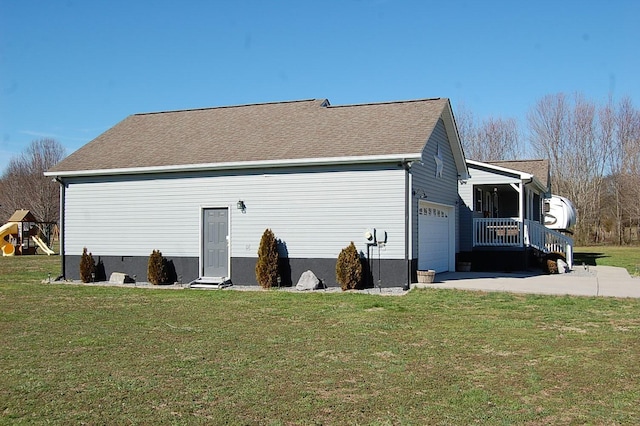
<point x="625" y="257"/>
<point x="73" y="354"/>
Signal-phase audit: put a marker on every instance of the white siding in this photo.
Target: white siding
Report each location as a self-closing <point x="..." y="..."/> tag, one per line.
<point x="315" y="212"/>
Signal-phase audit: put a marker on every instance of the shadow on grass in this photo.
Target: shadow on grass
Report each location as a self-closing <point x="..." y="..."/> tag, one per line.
<point x="587" y="258"/>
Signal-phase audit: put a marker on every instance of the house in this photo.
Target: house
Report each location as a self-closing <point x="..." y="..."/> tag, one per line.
<point x="502" y="216"/>
<point x="202" y="185"/>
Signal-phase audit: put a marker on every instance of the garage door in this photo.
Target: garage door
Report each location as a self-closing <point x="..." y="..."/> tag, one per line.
<point x="434" y="236"/>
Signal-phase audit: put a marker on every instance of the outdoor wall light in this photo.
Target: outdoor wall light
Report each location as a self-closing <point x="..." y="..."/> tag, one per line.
<point x="241" y="205"/>
<point x="420" y="193"/>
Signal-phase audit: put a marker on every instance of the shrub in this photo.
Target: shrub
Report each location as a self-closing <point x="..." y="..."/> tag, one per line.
<point x="157" y="268"/>
<point x="550" y="264"/>
<point x="349" y="268"/>
<point x="267" y="265"/>
<point x="87" y="267"/>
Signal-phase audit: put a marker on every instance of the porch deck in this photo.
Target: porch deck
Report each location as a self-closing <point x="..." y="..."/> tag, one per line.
<point x="511" y="232"/>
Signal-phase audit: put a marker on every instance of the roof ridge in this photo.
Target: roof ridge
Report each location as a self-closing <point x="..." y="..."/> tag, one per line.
<point x="386" y="102"/>
<point x="516" y="161"/>
<point x="230" y="106"/>
<point x="324" y="102"/>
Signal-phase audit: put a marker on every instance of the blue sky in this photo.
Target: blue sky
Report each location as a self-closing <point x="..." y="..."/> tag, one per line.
<point x="72" y="69"/>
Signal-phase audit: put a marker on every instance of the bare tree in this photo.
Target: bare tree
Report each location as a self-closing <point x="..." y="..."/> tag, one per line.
<point x="490" y="140"/>
<point x="466" y="124"/>
<point x="626" y="167"/>
<point x="3" y="201"/>
<point x="548" y="134"/>
<point x="500" y="139"/>
<point x="578" y="145"/>
<point x="24" y="185"/>
<point x="611" y="196"/>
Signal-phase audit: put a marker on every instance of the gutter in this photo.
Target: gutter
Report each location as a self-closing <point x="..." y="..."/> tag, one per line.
<point x="237" y="165"/>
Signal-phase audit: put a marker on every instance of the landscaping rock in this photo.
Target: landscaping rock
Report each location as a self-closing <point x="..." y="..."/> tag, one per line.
<point x="309" y="281"/>
<point x="562" y="266"/>
<point x="120" y="278"/>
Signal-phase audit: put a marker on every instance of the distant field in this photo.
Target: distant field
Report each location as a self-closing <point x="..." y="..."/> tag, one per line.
<point x="74" y="354"/>
<point x="625" y="257"/>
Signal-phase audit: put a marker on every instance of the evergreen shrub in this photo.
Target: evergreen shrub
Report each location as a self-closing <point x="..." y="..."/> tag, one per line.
<point x="157" y="268"/>
<point x="87" y="266"/>
<point x="267" y="265"/>
<point x="349" y="268"/>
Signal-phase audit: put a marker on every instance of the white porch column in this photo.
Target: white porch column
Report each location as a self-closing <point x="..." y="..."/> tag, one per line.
<point x="521" y="194"/>
<point x="520" y="189"/>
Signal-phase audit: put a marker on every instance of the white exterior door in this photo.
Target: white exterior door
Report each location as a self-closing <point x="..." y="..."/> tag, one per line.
<point x="435" y="239"/>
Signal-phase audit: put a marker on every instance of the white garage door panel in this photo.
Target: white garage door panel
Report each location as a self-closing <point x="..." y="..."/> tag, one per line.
<point x="433" y="237"/>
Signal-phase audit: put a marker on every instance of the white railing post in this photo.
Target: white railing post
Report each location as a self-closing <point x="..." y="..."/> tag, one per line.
<point x="569" y="254"/>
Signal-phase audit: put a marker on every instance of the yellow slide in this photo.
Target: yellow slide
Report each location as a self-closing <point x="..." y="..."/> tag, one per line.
<point x="7" y="229"/>
<point x="42" y="245"/>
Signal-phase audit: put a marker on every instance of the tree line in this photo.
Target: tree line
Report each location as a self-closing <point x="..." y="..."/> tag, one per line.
<point x="593" y="150"/>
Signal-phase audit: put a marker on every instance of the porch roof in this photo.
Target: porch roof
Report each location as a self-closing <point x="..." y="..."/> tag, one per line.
<point x="535" y="170"/>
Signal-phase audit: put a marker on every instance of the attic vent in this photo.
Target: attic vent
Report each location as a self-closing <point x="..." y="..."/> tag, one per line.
<point x="325" y="103"/>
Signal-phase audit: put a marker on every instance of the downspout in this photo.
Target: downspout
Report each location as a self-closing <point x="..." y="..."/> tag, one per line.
<point x="523" y="195"/>
<point x="406" y="165"/>
<point x="521" y="204"/>
<point x="61" y="226"/>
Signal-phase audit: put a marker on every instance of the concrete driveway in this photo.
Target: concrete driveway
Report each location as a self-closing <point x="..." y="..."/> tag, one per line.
<point x="607" y="281"/>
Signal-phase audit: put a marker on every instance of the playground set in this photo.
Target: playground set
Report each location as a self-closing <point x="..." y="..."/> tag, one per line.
<point x="23" y="235"/>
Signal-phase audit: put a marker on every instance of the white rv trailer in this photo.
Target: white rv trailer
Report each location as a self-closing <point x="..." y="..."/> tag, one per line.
<point x="559" y="213"/>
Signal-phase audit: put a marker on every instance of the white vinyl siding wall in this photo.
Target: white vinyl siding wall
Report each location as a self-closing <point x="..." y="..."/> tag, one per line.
<point x="315" y="212"/>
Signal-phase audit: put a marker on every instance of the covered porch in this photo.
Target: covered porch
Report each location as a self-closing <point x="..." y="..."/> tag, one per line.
<point x="505" y="214"/>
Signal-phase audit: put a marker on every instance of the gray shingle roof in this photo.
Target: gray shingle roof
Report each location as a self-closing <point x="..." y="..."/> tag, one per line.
<point x="537" y="168"/>
<point x="260" y="132"/>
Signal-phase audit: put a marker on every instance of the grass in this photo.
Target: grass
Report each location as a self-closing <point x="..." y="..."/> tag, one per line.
<point x="622" y="256"/>
<point x="106" y="355"/>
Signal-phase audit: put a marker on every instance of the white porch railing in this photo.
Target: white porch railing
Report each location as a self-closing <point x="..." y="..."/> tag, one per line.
<point x="508" y="232"/>
<point x="548" y="241"/>
<point x="497" y="232"/>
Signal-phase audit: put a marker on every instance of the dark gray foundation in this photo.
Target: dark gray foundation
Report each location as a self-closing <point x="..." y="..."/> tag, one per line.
<point x="500" y="259"/>
<point x="383" y="273"/>
<point x="386" y="273"/>
<point x="181" y="269"/>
